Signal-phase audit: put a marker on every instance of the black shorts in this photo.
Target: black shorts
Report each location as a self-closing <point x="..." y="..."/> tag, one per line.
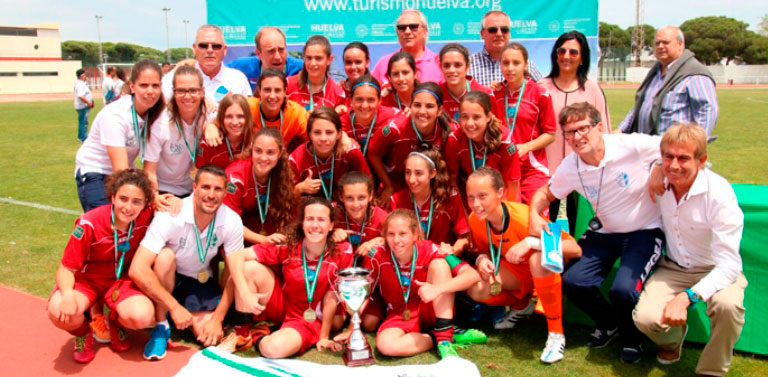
<point x="196" y="296"/>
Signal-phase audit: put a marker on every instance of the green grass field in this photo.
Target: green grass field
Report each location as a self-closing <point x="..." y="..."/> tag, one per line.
<point x="39" y="148"/>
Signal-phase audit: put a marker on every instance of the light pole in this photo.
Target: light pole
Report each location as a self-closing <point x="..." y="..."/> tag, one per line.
<point x="186" y="40"/>
<point x="167" y="34"/>
<point x="98" y="33"/>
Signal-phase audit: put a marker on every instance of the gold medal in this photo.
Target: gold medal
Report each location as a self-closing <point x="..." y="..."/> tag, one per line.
<point x="495" y="288"/>
<point x="406" y="315"/>
<point x="115" y="295"/>
<point x="202" y="276"/>
<point x="310" y="315"/>
<point x="263" y="232"/>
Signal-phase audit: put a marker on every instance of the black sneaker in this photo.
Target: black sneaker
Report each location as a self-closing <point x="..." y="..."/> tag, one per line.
<point x="631" y="354"/>
<point x="601" y="337"/>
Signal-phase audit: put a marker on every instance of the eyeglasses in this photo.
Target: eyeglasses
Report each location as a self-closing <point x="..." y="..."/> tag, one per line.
<point x="562" y="50"/>
<point x="495" y="29"/>
<point x="181" y="92"/>
<point x="582" y="130"/>
<point x="214" y="46"/>
<point x="413" y="27"/>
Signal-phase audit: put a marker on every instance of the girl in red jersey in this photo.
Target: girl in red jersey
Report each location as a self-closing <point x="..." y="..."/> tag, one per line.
<point x="367" y="115"/>
<point x="259" y="189"/>
<point x="357" y="59"/>
<point x="361" y="220"/>
<point x="416" y="287"/>
<point x="401" y="73"/>
<point x="426" y="125"/>
<point x="313" y="87"/>
<point x="525" y="109"/>
<point x="235" y="124"/>
<point x="95" y="266"/>
<point x="436" y="203"/>
<point x="481" y="141"/>
<point x="308" y="262"/>
<point x="319" y="164"/>
<point x="454" y="63"/>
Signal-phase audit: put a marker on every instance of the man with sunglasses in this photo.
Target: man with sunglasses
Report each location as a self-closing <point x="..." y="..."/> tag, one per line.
<point x="484" y="65"/>
<point x="611" y="172"/>
<point x="412" y="33"/>
<point x="270" y="53"/>
<point x="218" y="79"/>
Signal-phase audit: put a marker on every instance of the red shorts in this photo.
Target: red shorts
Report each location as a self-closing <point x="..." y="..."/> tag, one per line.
<point x="274" y="311"/>
<point x="93" y="289"/>
<point x="518" y="298"/>
<point x="531" y="179"/>
<point x="309" y="331"/>
<point x="422" y="320"/>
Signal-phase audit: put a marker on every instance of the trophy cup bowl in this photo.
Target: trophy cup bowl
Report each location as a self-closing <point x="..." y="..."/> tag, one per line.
<point x="354" y="287"/>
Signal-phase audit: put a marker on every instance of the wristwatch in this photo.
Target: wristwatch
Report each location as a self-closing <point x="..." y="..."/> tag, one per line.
<point x="693" y="297"/>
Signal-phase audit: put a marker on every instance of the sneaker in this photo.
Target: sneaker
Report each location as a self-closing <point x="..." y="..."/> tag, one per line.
<point x="157" y="344"/>
<point x="666" y="357"/>
<point x="446" y="349"/>
<point x="510" y="320"/>
<point x="632" y="354"/>
<point x="119" y="341"/>
<point x="84" y="352"/>
<point x="465" y="337"/>
<point x="601" y="337"/>
<point x="554" y="350"/>
<point x="100" y="330"/>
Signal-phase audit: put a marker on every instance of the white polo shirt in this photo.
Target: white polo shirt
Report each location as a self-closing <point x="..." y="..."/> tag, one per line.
<point x="178" y="234"/>
<point x="168" y="149"/>
<point x="112" y="127"/>
<point x="625" y="205"/>
<point x="704" y="230"/>
<point x="228" y="80"/>
<point x="82" y="90"/>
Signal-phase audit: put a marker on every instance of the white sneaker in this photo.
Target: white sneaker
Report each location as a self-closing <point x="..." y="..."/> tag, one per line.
<point x="554" y="350"/>
<point x="510" y="320"/>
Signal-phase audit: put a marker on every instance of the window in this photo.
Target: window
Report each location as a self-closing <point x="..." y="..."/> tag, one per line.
<point x="18" y="31"/>
<point x="40" y="73"/>
<point x="8" y="74"/>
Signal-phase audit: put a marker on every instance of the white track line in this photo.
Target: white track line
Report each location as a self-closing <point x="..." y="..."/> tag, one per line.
<point x="40" y="206"/>
<point x="756" y="100"/>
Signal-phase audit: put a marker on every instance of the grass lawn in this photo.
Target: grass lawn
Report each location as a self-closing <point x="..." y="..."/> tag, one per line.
<point x="39" y="147"/>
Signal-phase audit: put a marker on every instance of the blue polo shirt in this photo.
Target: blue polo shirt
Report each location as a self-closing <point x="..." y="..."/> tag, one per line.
<point x="251" y="67"/>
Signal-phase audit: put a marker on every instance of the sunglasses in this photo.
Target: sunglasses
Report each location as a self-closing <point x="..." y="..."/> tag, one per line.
<point x="495" y="29"/>
<point x="562" y="50"/>
<point x="403" y="27"/>
<point x="214" y="46"/>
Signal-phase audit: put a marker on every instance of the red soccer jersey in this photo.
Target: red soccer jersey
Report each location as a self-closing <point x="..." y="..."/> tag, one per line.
<point x="360" y="132"/>
<point x="449" y="221"/>
<point x="332" y="96"/>
<point x="390" y="100"/>
<point x="91" y="248"/>
<point x="379" y="261"/>
<point x="218" y="155"/>
<point x="451" y="103"/>
<point x="372" y="229"/>
<point x="293" y="285"/>
<point x="303" y="165"/>
<point x="395" y="141"/>
<point x="241" y="197"/>
<point x="535" y="117"/>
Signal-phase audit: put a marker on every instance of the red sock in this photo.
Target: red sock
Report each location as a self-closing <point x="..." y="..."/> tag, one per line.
<point x="83" y="330"/>
<point x="443" y="330"/>
<point x="550" y="293"/>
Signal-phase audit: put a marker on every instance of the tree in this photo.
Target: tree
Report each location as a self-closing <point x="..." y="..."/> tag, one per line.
<point x="762" y="27"/>
<point x="649" y="33"/>
<point x="613" y="40"/>
<point x="757" y="51"/>
<point x="715" y="38"/>
<point x="179" y="54"/>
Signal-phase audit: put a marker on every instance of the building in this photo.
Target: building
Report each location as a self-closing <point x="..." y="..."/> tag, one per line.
<point x="30" y="60"/>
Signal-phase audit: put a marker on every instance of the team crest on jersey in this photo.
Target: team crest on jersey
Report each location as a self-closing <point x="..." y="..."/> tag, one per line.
<point x="175" y="148"/>
<point x="385" y="131"/>
<point x="182" y="242"/>
<point x="78" y="232"/>
<point x="372" y="252"/>
<point x="511" y="149"/>
<point x="231" y="188"/>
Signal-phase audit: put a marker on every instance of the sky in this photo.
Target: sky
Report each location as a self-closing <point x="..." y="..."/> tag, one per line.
<point x="143" y="21"/>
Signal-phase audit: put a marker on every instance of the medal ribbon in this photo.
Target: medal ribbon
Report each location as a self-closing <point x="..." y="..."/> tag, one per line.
<point x="311" y="99"/>
<point x="397" y="99"/>
<point x="329" y="190"/>
<point x="407" y="294"/>
<point x="264" y="122"/>
<point x="262" y="211"/>
<point x="139" y="132"/>
<point x="472" y="154"/>
<point x="362" y="226"/>
<point x="418" y="213"/>
<point x="517" y="107"/>
<point x="370" y="130"/>
<point x="496" y="253"/>
<point x="120" y="248"/>
<point x="458" y="100"/>
<point x="192" y="153"/>
<point x="229" y="149"/>
<point x="208" y="238"/>
<point x="310" y="287"/>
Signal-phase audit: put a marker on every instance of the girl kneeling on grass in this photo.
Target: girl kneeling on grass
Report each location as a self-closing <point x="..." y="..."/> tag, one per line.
<point x="99" y="251"/>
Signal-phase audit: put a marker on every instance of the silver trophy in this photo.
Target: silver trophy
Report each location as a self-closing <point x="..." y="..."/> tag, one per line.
<point x="354" y="287"/>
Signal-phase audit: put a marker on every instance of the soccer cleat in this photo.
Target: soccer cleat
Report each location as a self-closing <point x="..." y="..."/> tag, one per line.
<point x="601" y="337"/>
<point x="463" y="337"/>
<point x="510" y="320"/>
<point x="632" y="354"/>
<point x="100" y="329"/>
<point x="119" y="341"/>
<point x="446" y="349"/>
<point x="84" y="352"/>
<point x="158" y="343"/>
<point x="554" y="350"/>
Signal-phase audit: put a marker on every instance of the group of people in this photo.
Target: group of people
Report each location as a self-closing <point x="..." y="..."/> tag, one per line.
<point x="438" y="172"/>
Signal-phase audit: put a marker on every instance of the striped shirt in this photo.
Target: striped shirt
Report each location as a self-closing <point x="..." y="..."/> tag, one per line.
<point x="693" y="100"/>
<point x="486" y="71"/>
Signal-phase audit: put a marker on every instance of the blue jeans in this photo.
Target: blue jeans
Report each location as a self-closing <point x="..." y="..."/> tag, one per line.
<point x="91" y="190"/>
<point x="82" y="123"/>
<point x="639" y="251"/>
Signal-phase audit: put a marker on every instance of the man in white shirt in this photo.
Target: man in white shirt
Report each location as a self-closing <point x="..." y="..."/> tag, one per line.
<point x="83" y="104"/>
<point x="611" y="172"/>
<point x="703" y="224"/>
<point x="218" y="79"/>
<point x="172" y="264"/>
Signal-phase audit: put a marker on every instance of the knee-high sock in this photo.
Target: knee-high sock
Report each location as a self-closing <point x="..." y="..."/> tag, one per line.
<point x="549" y="289"/>
<point x="443" y="330"/>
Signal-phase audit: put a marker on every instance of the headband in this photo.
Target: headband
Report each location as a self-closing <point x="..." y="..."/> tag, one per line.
<point x="422" y="155"/>
<point x="366" y="83"/>
<point x="420" y="90"/>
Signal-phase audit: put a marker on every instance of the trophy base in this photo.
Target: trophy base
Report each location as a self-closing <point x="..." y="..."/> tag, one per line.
<point x="357" y="358"/>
